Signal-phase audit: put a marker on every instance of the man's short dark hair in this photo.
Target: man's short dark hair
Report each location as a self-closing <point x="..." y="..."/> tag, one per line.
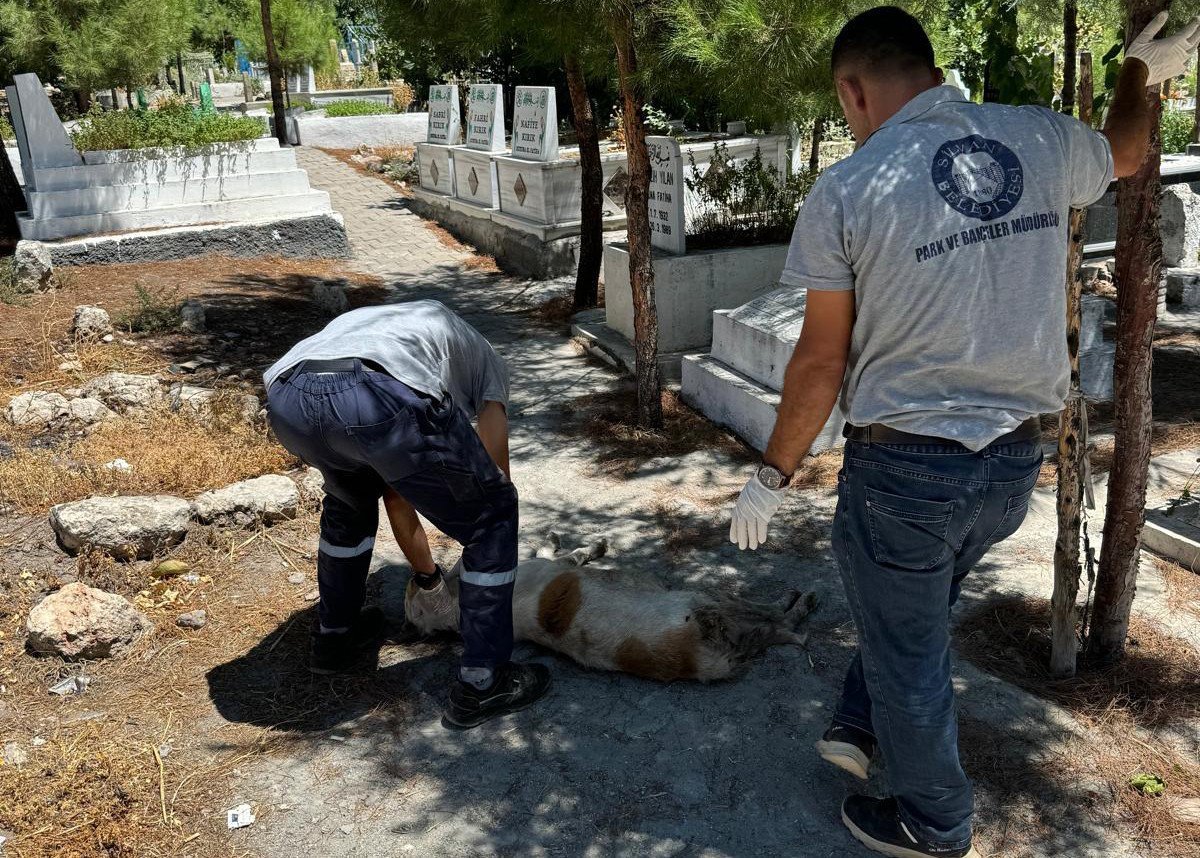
<point x="884" y="39"/>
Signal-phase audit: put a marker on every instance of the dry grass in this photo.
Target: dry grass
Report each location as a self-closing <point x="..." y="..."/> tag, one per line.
<point x="448" y="241"/>
<point x="609" y="421"/>
<point x="1183" y="586"/>
<point x="1156" y="688"/>
<point x="555" y="313"/>
<point x="171" y="453"/>
<point x="481" y="264"/>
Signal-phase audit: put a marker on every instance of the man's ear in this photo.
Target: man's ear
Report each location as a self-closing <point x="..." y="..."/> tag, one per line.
<point x="939" y="75"/>
<point x="851" y="95"/>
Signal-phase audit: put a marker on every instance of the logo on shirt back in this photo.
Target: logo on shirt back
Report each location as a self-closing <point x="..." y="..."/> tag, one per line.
<point x="977" y="177"/>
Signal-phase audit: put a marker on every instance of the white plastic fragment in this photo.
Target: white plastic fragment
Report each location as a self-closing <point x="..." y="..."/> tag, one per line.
<point x="71" y="685"/>
<point x="118" y="465"/>
<point x="239" y="817"/>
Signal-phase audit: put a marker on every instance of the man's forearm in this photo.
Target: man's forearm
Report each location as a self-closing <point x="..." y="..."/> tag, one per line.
<point x="409" y="533"/>
<point x="1130" y="119"/>
<point x="810" y="390"/>
<point x="493" y="432"/>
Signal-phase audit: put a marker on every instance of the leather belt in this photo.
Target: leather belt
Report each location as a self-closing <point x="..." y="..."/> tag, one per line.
<point x="877" y="433"/>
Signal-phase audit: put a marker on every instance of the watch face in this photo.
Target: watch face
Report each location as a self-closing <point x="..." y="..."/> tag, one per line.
<point x="770" y="477"/>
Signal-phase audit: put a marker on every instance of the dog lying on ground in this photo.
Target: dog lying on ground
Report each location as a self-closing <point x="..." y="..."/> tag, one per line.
<point x="655" y="634"/>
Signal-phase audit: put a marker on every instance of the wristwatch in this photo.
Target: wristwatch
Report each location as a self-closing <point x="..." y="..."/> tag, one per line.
<point x="772" y="477"/>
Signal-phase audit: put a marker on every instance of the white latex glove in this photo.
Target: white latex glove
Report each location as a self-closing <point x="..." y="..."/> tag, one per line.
<point x="751" y="514"/>
<point x="1168" y="57"/>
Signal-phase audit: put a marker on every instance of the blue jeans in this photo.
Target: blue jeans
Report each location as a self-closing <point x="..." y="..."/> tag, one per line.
<point x="366" y="430"/>
<point x="911" y="521"/>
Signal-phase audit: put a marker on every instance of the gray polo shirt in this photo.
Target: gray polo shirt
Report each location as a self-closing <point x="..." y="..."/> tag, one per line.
<point x="422" y="343"/>
<point x="950" y="226"/>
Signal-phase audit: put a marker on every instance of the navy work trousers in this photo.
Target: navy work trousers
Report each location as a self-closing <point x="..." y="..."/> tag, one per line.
<point x="911" y="521"/>
<point x="364" y="431"/>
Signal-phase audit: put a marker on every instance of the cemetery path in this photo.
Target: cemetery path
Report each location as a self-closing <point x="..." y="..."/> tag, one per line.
<point x="607" y="764"/>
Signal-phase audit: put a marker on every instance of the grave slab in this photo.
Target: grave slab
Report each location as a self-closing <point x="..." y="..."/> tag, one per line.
<point x="1173" y="532"/>
<point x="475" y="179"/>
<point x="436" y="165"/>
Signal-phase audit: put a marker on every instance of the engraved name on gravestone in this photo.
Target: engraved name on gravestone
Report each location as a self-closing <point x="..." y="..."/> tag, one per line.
<point x="535" y="124"/>
<point x="443" y="115"/>
<point x="666" y="194"/>
<point x="485" y="117"/>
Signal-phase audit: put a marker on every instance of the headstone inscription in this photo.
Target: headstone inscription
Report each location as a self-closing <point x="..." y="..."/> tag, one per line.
<point x="443" y="115"/>
<point x="535" y="124"/>
<point x="666" y="194"/>
<point x="485" y="117"/>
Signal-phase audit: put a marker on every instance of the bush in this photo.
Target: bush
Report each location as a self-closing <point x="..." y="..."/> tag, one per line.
<point x="156" y="310"/>
<point x="1176" y="130"/>
<point x="6" y="132"/>
<point x="743" y="204"/>
<point x="356" y="107"/>
<point x="173" y="122"/>
<point x="401" y="166"/>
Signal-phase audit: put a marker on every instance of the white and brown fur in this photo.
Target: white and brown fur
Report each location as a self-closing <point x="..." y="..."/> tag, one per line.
<point x="656" y="634"/>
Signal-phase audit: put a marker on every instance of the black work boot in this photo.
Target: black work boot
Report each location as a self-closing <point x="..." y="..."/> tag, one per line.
<point x="514" y="686"/>
<point x="848" y="748"/>
<point x="876" y="823"/>
<point x="342" y="652"/>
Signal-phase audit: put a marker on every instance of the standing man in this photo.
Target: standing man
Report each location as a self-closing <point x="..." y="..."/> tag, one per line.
<point x="933" y="260"/>
<point x="380" y="401"/>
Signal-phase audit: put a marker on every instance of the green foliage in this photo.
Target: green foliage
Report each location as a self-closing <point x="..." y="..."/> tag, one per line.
<point x="1148" y="784"/>
<point x="357" y="107"/>
<point x="1176" y="130"/>
<point x="743" y="203"/>
<point x="6" y="131"/>
<point x="302" y="30"/>
<point x="402" y="167"/>
<point x="155" y="310"/>
<point x="173" y="123"/>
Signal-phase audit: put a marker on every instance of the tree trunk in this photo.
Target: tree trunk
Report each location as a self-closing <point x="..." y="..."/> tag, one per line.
<point x="591" y="237"/>
<point x="275" y="70"/>
<point x="814" y="154"/>
<point x="1070" y="31"/>
<point x="1196" y="110"/>
<point x="1139" y="259"/>
<point x="1071" y="444"/>
<point x="179" y="69"/>
<point x="637" y="215"/>
<point x="116" y="99"/>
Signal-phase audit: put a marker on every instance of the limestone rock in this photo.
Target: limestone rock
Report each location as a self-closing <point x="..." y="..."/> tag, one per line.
<point x="1183" y="287"/>
<point x="85" y="411"/>
<point x="82" y="622"/>
<point x="15" y="755"/>
<point x="32" y="267"/>
<point x="124" y="392"/>
<point x="36" y="408"/>
<point x="331" y="298"/>
<point x="192" y="317"/>
<point x="125" y="527"/>
<point x="200" y="401"/>
<point x="266" y="499"/>
<point x="312" y="484"/>
<point x="1179" y="225"/>
<point x="192" y="619"/>
<point x="91" y="323"/>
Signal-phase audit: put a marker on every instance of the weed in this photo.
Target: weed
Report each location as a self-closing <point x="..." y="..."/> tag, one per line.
<point x="173" y="122"/>
<point x="357" y="107"/>
<point x="157" y="309"/>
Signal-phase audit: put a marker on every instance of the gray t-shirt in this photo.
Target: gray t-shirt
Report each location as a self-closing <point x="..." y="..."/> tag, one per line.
<point x="950" y="225"/>
<point x="422" y="343"/>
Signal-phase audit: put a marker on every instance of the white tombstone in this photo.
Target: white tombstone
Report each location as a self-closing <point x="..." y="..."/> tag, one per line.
<point x="535" y="124"/>
<point x="444" y="127"/>
<point x="41" y="138"/>
<point x="666" y="194"/>
<point x="485" y="117"/>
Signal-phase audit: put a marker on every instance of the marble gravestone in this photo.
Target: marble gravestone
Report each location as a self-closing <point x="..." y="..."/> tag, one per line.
<point x="41" y="138"/>
<point x="444" y="128"/>
<point x="666" y="195"/>
<point x="485" y="117"/>
<point x="535" y="124"/>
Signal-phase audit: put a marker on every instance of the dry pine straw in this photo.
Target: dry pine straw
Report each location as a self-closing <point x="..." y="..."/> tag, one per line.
<point x="1124" y="708"/>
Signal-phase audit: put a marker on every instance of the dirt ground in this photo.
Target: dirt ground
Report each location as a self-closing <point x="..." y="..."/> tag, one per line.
<point x="190" y="723"/>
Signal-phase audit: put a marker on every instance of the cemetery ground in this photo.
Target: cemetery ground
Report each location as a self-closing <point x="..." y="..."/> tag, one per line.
<point x="189" y="722"/>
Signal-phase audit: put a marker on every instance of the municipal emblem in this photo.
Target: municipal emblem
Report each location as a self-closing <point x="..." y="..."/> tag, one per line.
<point x="977" y="177"/>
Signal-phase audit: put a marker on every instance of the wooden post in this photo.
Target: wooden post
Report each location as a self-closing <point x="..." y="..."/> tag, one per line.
<point x="1071" y="444"/>
<point x="1070" y="31"/>
<point x="637" y="218"/>
<point x="1139" y="263"/>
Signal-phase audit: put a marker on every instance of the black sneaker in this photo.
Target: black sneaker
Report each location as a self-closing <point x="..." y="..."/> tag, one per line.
<point x="516" y="686"/>
<point x="342" y="652"/>
<point x="847" y="748"/>
<point x="876" y="823"/>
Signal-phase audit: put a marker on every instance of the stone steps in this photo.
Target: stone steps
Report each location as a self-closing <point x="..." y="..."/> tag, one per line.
<point x="214" y="212"/>
<point x="48" y="205"/>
